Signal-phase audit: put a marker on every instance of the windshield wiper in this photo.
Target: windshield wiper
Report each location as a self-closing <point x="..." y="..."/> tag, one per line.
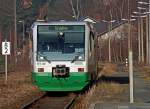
<point x="44" y="57"/>
<point x="75" y="58"/>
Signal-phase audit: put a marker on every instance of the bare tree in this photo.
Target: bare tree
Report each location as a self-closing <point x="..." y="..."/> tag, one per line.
<point x="120" y="9"/>
<point x="43" y="10"/>
<point x="75" y="9"/>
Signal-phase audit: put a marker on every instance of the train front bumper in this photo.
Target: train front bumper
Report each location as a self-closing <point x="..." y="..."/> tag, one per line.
<point x="75" y="82"/>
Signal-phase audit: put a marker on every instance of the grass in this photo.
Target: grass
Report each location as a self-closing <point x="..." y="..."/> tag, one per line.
<point x="18" y="88"/>
<point x="1" y="60"/>
<point x="145" y="69"/>
<point x="108" y="91"/>
<point x="101" y="92"/>
<point x="146" y="72"/>
<point x="2" y="64"/>
<point x="108" y="69"/>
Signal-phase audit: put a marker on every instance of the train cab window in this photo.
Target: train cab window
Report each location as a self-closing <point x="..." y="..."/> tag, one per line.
<point x="61" y="42"/>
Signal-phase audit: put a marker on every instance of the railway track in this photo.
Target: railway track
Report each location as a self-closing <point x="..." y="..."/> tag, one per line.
<point x="51" y="101"/>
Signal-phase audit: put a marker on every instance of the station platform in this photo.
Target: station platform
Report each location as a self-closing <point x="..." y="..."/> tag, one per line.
<point x="120" y="106"/>
<point x="141" y="94"/>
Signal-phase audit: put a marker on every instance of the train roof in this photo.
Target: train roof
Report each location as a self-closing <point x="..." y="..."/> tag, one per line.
<point x="62" y="22"/>
<point x="59" y="23"/>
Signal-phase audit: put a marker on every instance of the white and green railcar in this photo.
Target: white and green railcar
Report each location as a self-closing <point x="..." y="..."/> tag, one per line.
<point x="64" y="55"/>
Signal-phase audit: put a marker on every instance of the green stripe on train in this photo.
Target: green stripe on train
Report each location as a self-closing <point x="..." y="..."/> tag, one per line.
<point x="76" y="81"/>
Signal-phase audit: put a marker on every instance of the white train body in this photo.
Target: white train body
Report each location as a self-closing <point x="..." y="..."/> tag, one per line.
<point x="63" y="53"/>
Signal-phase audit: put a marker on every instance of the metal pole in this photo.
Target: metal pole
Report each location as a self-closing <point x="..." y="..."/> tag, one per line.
<point x="149" y="37"/>
<point x="109" y="41"/>
<point x="15" y="33"/>
<point x="139" y="39"/>
<point x="23" y="34"/>
<point x="147" y="41"/>
<point x="142" y="43"/>
<point x="5" y="66"/>
<point x="5" y="69"/>
<point x="130" y="56"/>
<point x="131" y="76"/>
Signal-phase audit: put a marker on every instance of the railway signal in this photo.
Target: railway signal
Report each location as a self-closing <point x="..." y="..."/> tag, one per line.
<point x="5" y="51"/>
<point x="5" y="48"/>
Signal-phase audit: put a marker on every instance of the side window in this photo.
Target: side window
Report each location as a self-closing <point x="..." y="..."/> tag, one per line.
<point x="92" y="35"/>
<point x="91" y="41"/>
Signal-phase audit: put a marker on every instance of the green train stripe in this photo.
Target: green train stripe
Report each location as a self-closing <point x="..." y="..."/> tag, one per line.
<point x="45" y="81"/>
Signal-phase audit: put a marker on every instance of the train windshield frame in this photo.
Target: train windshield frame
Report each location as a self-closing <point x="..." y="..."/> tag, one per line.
<point x="60" y="42"/>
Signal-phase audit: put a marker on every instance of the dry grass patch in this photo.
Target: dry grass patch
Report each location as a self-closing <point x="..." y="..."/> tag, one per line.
<point x="140" y="64"/>
<point x="145" y="70"/>
<point x="102" y="92"/>
<point x="109" y="92"/>
<point x="85" y="100"/>
<point x="109" y="88"/>
<point x="125" y="69"/>
<point x="19" y="86"/>
<point x="109" y="69"/>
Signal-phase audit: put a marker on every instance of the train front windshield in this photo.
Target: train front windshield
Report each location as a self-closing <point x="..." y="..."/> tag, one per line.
<point x="61" y="42"/>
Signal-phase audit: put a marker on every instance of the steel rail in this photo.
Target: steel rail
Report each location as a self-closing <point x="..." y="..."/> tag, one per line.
<point x="28" y="104"/>
<point x="70" y="101"/>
